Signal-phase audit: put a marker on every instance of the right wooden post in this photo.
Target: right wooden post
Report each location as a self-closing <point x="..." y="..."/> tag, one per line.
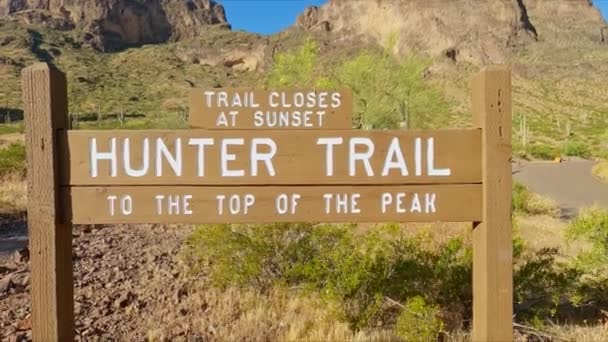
<point x="492" y="237"/>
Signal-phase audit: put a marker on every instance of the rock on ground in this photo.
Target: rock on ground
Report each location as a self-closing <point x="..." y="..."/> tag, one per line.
<point x="121" y="273"/>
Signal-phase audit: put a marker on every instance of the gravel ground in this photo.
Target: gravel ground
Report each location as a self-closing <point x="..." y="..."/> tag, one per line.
<point x="121" y="275"/>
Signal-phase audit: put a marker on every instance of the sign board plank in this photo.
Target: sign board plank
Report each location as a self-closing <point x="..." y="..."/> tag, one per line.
<point x="197" y="157"/>
<point x="211" y="204"/>
<point x="243" y="108"/>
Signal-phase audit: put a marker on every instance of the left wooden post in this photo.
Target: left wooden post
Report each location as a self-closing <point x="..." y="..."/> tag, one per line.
<point x="50" y="234"/>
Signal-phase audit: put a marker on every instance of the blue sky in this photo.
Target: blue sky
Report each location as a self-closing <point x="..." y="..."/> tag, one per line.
<point x="271" y="16"/>
<point x="265" y="16"/>
<point x="603" y="6"/>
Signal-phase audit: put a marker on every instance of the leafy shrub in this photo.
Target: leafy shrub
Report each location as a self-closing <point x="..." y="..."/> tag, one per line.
<point x="576" y="148"/>
<point x="419" y="321"/>
<point x="12" y="160"/>
<point x="542" y="151"/>
<point x="356" y="272"/>
<point x="541" y="283"/>
<point x="259" y="255"/>
<point x="520" y="197"/>
<point x="591" y="226"/>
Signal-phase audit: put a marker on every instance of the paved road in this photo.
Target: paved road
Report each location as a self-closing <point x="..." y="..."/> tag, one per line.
<point x="571" y="183"/>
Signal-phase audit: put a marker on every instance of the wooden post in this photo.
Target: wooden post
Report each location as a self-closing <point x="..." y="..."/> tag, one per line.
<point x="50" y="235"/>
<point x="492" y="240"/>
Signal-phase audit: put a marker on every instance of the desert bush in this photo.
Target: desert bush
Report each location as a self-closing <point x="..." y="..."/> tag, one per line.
<point x="260" y="255"/>
<point x="355" y="272"/>
<point x="520" y="197"/>
<point x="541" y="205"/>
<point x="576" y="148"/>
<point x="591" y="226"/>
<point x="12" y="160"/>
<point x="542" y="284"/>
<point x="543" y="151"/>
<point x="359" y="275"/>
<point x="419" y="321"/>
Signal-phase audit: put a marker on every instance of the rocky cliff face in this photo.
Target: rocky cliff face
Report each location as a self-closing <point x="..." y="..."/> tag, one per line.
<point x="473" y="31"/>
<point x="115" y="24"/>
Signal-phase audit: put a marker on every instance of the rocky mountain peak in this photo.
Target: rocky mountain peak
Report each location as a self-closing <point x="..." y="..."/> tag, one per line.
<point x="111" y="25"/>
<point x="473" y="31"/>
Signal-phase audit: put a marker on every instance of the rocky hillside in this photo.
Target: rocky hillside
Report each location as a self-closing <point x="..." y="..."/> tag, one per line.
<point x="110" y="25"/>
<point x="558" y="50"/>
<point x="460" y="30"/>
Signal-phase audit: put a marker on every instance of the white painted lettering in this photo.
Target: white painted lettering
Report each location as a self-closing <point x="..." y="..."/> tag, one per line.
<point x="431" y="161"/>
<point x="96" y="156"/>
<point x="200" y="158"/>
<point x="257" y="156"/>
<point x="394" y="152"/>
<point x="360" y="156"/>
<point x="174" y="160"/>
<point x="226" y="157"/>
<point x="126" y="154"/>
<point x="329" y="152"/>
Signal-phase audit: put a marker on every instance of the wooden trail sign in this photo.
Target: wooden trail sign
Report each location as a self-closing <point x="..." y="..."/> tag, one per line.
<point x="246" y="204"/>
<point x="266" y="156"/>
<point x="242" y="108"/>
<point x="194" y="157"/>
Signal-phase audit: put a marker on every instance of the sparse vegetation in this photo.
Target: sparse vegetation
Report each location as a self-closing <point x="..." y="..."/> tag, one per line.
<point x="544" y="151"/>
<point x="526" y="202"/>
<point x="418" y="321"/>
<point x="12" y="160"/>
<point x="385" y="277"/>
<point x="339" y="282"/>
<point x="576" y="148"/>
<point x="592" y="226"/>
<point x="11" y="128"/>
<point x="601" y="171"/>
<point x="13" y="195"/>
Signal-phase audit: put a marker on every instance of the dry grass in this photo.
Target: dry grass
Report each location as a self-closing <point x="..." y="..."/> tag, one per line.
<point x="13" y="195"/>
<point x="284" y="315"/>
<point x="11" y="138"/>
<point x="588" y="333"/>
<point x="238" y="314"/>
<point x="601" y="171"/>
<point x="540" y="231"/>
<point x="541" y="205"/>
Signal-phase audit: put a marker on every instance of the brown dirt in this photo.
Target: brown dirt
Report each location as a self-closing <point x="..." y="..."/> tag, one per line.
<point x="122" y="274"/>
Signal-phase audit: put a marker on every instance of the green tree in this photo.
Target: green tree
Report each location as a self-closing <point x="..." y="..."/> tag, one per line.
<point x="295" y="68"/>
<point x="390" y="93"/>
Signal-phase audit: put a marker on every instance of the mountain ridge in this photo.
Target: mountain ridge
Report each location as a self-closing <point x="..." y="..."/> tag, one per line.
<point x="111" y="25"/>
<point x="556" y="49"/>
